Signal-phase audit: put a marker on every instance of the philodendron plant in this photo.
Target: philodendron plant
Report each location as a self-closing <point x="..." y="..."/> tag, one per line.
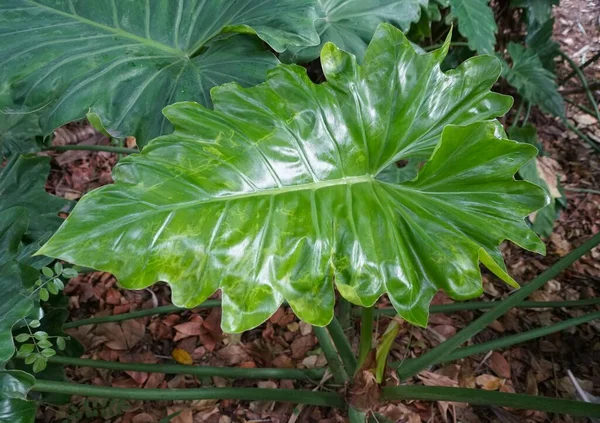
<point x="276" y="195"/>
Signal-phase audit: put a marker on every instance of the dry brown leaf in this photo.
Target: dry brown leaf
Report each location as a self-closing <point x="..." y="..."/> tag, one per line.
<point x="283" y="361"/>
<point x="302" y="345"/>
<point x="584" y="119"/>
<point x="269" y="384"/>
<point x="434" y="379"/>
<point x="185" y="416"/>
<point x="192" y="328"/>
<point x="144" y="418"/>
<point x="122" y="336"/>
<point x="499" y="365"/>
<point x="154" y="380"/>
<point x="548" y="169"/>
<point x="489" y="382"/>
<point x="561" y="245"/>
<point x="233" y="354"/>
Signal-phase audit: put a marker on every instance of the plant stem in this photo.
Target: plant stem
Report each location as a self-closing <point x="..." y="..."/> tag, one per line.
<point x="366" y="335"/>
<point x="452" y="44"/>
<point x="384" y="347"/>
<point x="584" y="83"/>
<point x="345" y="313"/>
<point x="589" y="191"/>
<point x="136" y="314"/>
<point x="343" y="346"/>
<point x="413" y="366"/>
<point x="200" y="371"/>
<point x="483" y="305"/>
<point x="107" y="148"/>
<point x="527" y="113"/>
<point x="581" y="135"/>
<point x="491" y="398"/>
<point x="580" y="106"/>
<point x="443" y="308"/>
<point x="582" y="67"/>
<point x="517" y="116"/>
<point x="518" y="338"/>
<point x="325" y="399"/>
<point x="333" y="359"/>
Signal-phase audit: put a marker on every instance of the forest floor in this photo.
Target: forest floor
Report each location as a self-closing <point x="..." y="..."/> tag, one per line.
<point x="537" y="367"/>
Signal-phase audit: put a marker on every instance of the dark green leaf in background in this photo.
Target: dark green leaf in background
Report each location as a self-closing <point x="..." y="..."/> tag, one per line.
<point x="350" y="25"/>
<point x="126" y="60"/>
<point x="476" y="23"/>
<point x="538" y="11"/>
<point x="15" y="278"/>
<point x="539" y="39"/>
<point x="19" y="134"/>
<point x="274" y="195"/>
<point x="22" y="183"/>
<point x="535" y="83"/>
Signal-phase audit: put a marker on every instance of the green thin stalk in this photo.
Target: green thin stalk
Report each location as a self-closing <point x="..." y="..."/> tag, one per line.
<point x="589" y="191"/>
<point x="579" y="106"/>
<point x="527" y="114"/>
<point x="491" y="398"/>
<point x="508" y="341"/>
<point x="384" y="347"/>
<point x="136" y="314"/>
<point x="366" y="335"/>
<point x="411" y="367"/>
<point x="582" y="67"/>
<point x="452" y="44"/>
<point x="517" y="116"/>
<point x="333" y="359"/>
<point x="107" y="148"/>
<point x="345" y="313"/>
<point x="584" y="83"/>
<point x="484" y="305"/>
<point x="324" y="399"/>
<point x="200" y="371"/>
<point x="581" y="135"/>
<point x="343" y="346"/>
<point x="442" y="308"/>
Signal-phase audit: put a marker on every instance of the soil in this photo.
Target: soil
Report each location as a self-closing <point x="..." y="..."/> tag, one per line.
<point x="538" y="367"/>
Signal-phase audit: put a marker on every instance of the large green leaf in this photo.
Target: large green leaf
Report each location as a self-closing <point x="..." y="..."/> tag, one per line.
<point x="535" y="83"/>
<point x="14" y="407"/>
<point x="476" y="23"/>
<point x="126" y="60"/>
<point x="15" y="278"/>
<point x="350" y="25"/>
<point x="543" y="220"/>
<point x="274" y="195"/>
<point x="18" y="134"/>
<point x="22" y="183"/>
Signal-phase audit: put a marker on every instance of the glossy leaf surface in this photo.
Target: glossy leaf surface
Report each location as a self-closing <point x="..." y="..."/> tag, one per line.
<point x="126" y="60"/>
<point x="350" y="25"/>
<point x="14" y="407"/>
<point x="274" y="195"/>
<point x="476" y="23"/>
<point x="535" y="83"/>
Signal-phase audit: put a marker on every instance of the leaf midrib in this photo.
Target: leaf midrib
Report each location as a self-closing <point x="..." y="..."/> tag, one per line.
<point x="151" y="43"/>
<point x="312" y="186"/>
